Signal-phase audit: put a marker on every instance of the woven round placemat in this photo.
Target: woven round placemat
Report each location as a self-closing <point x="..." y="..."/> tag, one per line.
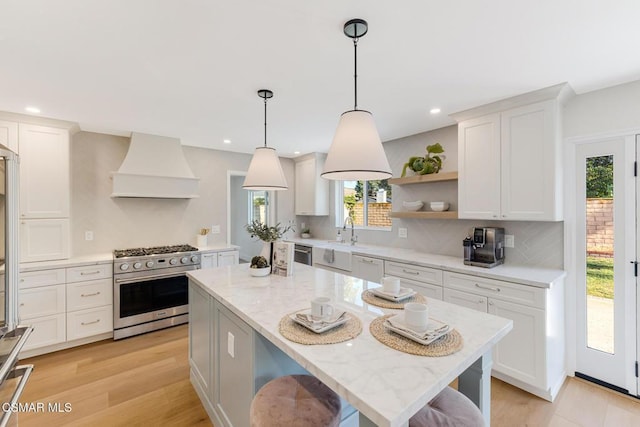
<point x="298" y="333"/>
<point x="370" y="298"/>
<point x="446" y="345"/>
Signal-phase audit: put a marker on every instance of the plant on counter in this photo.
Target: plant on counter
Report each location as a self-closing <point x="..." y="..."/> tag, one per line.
<point x="259" y="262"/>
<point x="427" y="164"/>
<point x="267" y="233"/>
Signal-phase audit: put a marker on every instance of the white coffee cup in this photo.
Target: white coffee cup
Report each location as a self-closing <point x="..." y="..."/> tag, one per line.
<point x="321" y="307"/>
<point x="391" y="285"/>
<point x="416" y="315"/>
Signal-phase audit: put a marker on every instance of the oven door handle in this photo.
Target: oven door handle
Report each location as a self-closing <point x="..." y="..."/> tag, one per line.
<point x="147" y="278"/>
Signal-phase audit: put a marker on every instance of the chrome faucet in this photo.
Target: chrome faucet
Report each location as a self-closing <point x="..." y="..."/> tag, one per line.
<point x="354" y="238"/>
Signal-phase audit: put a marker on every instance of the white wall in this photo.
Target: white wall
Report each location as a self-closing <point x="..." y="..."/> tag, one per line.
<point x="129" y="222"/>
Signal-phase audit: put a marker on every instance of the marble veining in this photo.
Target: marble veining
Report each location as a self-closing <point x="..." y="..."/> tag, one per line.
<point x="386" y="385"/>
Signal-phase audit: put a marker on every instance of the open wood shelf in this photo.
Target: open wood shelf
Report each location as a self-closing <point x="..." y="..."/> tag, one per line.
<point x="420" y="179"/>
<point x="425" y="215"/>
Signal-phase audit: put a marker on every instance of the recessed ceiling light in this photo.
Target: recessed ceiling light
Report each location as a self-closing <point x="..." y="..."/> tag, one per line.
<point x="33" y="110"/>
<point x="434" y="110"/>
<point x="226" y="141"/>
<point x="296" y="152"/>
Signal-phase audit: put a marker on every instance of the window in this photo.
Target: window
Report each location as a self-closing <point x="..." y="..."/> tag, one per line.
<point x="258" y="206"/>
<point x="368" y="203"/>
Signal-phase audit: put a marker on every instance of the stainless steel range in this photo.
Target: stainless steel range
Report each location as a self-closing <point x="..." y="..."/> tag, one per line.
<point x="150" y="288"/>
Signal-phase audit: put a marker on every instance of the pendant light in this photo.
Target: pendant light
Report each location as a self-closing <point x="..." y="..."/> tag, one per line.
<point x="356" y="152"/>
<point x="265" y="171"/>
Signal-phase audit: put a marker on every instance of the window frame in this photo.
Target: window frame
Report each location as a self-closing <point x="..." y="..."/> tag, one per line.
<point x="340" y="214"/>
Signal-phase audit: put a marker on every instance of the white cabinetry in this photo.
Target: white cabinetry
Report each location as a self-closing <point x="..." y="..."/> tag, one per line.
<point x="510" y="158"/>
<point x="312" y="191"/>
<point x="367" y="268"/>
<point x="531" y="356"/>
<point x="426" y="281"/>
<point x="89" y="301"/>
<point x="213" y="259"/>
<point x="44" y="192"/>
<point x="9" y="135"/>
<point x="201" y="334"/>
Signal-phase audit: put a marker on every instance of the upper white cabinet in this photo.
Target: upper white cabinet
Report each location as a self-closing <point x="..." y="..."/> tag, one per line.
<point x="44" y="172"/>
<point x="509" y="158"/>
<point x="9" y="135"/>
<point x="312" y="191"/>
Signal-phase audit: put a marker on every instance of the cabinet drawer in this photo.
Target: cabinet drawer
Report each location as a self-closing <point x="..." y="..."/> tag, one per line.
<point x="34" y="279"/>
<point x="464" y="299"/>
<point x="47" y="330"/>
<point x="505" y="291"/>
<point x="86" y="323"/>
<point x="38" y="302"/>
<point x="89" y="272"/>
<point x="94" y="293"/>
<point x="413" y="272"/>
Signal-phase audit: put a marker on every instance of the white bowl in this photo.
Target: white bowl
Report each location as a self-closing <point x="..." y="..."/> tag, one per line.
<point x="413" y="206"/>
<point x="439" y="206"/>
<point x="260" y="272"/>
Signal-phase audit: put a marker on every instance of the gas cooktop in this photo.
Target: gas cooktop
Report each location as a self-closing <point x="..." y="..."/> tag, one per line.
<point x="155" y="250"/>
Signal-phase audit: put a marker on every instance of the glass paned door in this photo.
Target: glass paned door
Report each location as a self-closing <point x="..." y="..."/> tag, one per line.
<point x="605" y="217"/>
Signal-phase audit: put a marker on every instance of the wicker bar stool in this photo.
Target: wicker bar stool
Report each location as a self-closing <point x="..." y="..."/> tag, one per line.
<point x="295" y="401"/>
<point x="449" y="408"/>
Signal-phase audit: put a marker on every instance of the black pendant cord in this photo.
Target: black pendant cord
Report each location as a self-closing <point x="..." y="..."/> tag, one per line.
<point x="265" y="122"/>
<point x="355" y="74"/>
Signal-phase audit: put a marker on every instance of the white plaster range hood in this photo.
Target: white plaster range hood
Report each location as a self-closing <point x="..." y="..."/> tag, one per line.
<point x="155" y="167"/>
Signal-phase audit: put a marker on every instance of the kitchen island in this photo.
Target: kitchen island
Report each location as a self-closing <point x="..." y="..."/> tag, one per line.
<point x="235" y="347"/>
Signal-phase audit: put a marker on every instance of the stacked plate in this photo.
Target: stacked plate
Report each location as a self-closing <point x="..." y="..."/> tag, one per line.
<point x="403" y="294"/>
<point x="435" y="329"/>
<point x="318" y="326"/>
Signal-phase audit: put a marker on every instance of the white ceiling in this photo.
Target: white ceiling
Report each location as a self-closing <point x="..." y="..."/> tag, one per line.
<point x="191" y="68"/>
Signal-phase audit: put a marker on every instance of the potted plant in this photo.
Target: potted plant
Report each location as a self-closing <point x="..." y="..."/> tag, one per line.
<point x="268" y="234"/>
<point x="305" y="233"/>
<point x="422" y="165"/>
<point x="259" y="266"/>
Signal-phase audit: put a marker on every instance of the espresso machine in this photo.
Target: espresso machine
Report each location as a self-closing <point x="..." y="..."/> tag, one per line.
<point x="486" y="248"/>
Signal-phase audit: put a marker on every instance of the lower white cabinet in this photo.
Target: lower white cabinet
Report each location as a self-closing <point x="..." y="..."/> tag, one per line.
<point x="532" y="355"/>
<point x="424" y="280"/>
<point x="47" y="330"/>
<point x="89" y="294"/>
<point x="42" y="301"/>
<point x="44" y="239"/>
<point x="201" y="340"/>
<point x="367" y="268"/>
<point x="93" y="321"/>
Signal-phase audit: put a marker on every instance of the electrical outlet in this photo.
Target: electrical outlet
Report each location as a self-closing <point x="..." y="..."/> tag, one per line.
<point x="231" y="344"/>
<point x="402" y="232"/>
<point x="215" y="229"/>
<point x="509" y="241"/>
<point x="88" y="235"/>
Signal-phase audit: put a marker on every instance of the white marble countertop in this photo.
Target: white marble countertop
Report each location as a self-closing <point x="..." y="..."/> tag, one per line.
<point x="525" y="275"/>
<point x="386" y="385"/>
<point x="221" y="247"/>
<point x="76" y="261"/>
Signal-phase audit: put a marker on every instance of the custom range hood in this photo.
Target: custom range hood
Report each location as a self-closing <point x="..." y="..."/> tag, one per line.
<point x="155" y="167"/>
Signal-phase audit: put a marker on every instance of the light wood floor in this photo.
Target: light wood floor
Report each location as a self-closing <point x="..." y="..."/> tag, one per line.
<point x="144" y="381"/>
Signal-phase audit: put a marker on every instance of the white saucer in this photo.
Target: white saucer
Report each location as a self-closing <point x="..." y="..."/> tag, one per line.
<point x="404" y="293"/>
<point x="424" y="337"/>
<point x="318" y="326"/>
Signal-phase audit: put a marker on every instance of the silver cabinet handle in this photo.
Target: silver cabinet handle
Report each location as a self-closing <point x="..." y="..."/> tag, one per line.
<point x="90" y="295"/>
<point x="417" y="273"/>
<point x="90" y="323"/>
<point x="368" y="261"/>
<point x="480" y="301"/>
<point x="489" y="288"/>
<point x="87" y="273"/>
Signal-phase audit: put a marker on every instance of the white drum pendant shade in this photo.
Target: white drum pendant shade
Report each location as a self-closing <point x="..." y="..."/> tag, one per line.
<point x="265" y="171"/>
<point x="356" y="152"/>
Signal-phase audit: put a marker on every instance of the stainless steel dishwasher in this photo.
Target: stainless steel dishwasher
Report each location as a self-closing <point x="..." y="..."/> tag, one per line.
<point x="303" y="254"/>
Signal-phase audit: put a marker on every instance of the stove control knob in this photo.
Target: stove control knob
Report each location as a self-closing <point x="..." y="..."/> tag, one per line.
<point x="173" y="261"/>
<point x="149" y="264"/>
<point x="137" y="265"/>
<point x="194" y="258"/>
<point x="184" y="259"/>
<point x="124" y="266"/>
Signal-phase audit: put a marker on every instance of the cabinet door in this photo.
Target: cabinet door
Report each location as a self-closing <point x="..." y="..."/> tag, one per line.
<point x="38" y="302"/>
<point x="530" y="157"/>
<point x="479" y="168"/>
<point x="86" y="323"/>
<point x="425" y="289"/>
<point x="235" y="358"/>
<point x="89" y="294"/>
<point x="9" y="135"/>
<point x="465" y="299"/>
<point x="521" y="354"/>
<point x="44" y="172"/>
<point x="228" y="258"/>
<point x="311" y="191"/>
<point x="209" y="260"/>
<point x="367" y="268"/>
<point x="47" y="330"/>
<point x="44" y="239"/>
<point x="200" y="338"/>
